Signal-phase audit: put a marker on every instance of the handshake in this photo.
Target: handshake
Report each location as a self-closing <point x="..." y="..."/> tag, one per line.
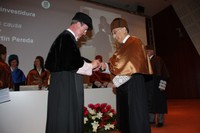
<point x="97" y="65"/>
<point x="87" y="68"/>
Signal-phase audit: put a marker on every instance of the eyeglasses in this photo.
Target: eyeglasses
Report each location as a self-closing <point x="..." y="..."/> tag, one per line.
<point x="115" y="31"/>
<point x="82" y="25"/>
<point x="85" y="31"/>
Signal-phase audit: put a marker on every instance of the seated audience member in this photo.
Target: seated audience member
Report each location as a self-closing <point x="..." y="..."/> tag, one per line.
<point x="99" y="79"/>
<point x="18" y="76"/>
<point x="38" y="75"/>
<point x="5" y="73"/>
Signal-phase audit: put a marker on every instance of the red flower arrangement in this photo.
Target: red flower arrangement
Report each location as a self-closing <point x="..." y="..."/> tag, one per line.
<point x="99" y="118"/>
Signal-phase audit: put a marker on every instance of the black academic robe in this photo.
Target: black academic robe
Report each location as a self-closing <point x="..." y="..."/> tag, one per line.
<point x="66" y="93"/>
<point x="64" y="55"/>
<point x="157" y="99"/>
<point x="132" y="107"/>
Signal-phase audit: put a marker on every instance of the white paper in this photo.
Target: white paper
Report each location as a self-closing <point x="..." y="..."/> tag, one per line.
<point x="4" y="95"/>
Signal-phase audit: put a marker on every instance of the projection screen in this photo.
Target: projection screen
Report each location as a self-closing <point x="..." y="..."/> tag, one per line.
<point x="28" y="27"/>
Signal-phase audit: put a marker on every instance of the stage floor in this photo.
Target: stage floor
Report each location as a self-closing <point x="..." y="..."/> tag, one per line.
<point x="183" y="117"/>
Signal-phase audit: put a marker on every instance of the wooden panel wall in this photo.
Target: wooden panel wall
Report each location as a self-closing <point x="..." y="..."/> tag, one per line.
<point x="176" y="48"/>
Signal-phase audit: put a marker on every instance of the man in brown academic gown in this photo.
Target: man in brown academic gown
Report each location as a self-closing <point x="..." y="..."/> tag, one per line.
<point x="130" y="59"/>
<point x="5" y="72"/>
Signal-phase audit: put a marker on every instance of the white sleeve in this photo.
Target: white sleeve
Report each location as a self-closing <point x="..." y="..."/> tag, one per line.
<point x="86" y="69"/>
<point x="107" y="69"/>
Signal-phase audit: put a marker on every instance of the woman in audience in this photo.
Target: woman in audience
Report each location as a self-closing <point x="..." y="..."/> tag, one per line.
<point x="38" y="75"/>
<point x="18" y="76"/>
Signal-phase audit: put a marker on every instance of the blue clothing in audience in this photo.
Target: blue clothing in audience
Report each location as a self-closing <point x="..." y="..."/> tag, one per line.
<point x="18" y="78"/>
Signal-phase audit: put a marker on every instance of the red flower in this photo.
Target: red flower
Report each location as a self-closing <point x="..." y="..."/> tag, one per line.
<point x="108" y="107"/>
<point x="96" y="106"/>
<point x="91" y="106"/>
<point x="106" y="117"/>
<point x="113" y="111"/>
<point x="104" y="110"/>
<point x="115" y="122"/>
<point x="86" y="113"/>
<point x="102" y="124"/>
<point x="103" y="119"/>
<point x="103" y="105"/>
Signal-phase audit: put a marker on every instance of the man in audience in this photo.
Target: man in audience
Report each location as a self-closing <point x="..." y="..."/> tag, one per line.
<point x="5" y="73"/>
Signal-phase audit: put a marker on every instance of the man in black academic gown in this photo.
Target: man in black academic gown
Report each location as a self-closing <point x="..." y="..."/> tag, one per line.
<point x="66" y="92"/>
<point x="157" y="98"/>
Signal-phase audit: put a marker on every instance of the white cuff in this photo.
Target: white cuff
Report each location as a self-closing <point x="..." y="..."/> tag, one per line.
<point x="107" y="69"/>
<point x="86" y="69"/>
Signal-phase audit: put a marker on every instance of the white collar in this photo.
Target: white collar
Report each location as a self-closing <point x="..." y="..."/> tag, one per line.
<point x="151" y="57"/>
<point x="72" y="34"/>
<point x="12" y="69"/>
<point x="39" y="71"/>
<point x="125" y="38"/>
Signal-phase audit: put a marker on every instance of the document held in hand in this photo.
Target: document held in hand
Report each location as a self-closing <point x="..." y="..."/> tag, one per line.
<point x="4" y="95"/>
<point x="120" y="79"/>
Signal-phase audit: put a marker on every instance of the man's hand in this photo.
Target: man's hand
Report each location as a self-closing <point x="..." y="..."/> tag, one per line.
<point x="96" y="65"/>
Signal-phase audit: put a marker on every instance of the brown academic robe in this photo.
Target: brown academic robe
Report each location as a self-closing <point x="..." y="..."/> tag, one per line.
<point x="132" y="109"/>
<point x="5" y="76"/>
<point x="34" y="78"/>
